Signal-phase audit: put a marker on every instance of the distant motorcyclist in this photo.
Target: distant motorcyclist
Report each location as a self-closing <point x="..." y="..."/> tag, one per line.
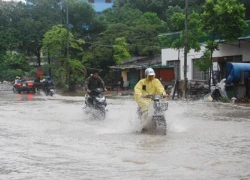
<point x="48" y="83"/>
<point x="153" y="86"/>
<point x="15" y="84"/>
<point x="94" y="81"/>
<point x="17" y="80"/>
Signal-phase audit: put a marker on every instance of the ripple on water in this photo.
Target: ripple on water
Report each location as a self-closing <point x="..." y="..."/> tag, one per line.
<point x="54" y="139"/>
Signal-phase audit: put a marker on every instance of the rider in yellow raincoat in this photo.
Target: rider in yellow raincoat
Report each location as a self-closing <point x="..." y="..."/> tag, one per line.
<point x="153" y="86"/>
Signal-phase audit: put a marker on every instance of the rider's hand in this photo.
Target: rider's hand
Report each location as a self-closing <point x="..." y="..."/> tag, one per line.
<point x="165" y="96"/>
<point x="88" y="91"/>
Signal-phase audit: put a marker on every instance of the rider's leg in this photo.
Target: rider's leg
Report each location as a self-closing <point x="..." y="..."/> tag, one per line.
<point x="143" y="103"/>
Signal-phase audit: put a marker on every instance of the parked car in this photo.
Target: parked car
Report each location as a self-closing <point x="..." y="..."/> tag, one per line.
<point x="25" y="85"/>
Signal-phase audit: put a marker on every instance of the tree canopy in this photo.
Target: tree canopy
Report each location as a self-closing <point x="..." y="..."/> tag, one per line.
<point x="40" y="25"/>
<point x="120" y="51"/>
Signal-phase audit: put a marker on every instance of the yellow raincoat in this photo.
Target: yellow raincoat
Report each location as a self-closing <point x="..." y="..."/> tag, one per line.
<point x="152" y="87"/>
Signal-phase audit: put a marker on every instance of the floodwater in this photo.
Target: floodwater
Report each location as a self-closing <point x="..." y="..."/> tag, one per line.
<point x="51" y="138"/>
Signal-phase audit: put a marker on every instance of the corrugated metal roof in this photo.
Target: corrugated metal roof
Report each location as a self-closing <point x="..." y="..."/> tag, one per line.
<point x="176" y="35"/>
<point x="138" y="62"/>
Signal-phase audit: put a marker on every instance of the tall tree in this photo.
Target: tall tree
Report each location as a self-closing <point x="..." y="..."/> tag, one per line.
<point x="125" y="15"/>
<point x="120" y="50"/>
<point x="195" y="32"/>
<point x="31" y="21"/>
<point x="222" y="20"/>
<point x="157" y="6"/>
<point x="55" y="43"/>
<point x="204" y="63"/>
<point x="83" y="19"/>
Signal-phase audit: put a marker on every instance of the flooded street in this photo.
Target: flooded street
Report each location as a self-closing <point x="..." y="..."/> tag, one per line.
<point x="52" y="138"/>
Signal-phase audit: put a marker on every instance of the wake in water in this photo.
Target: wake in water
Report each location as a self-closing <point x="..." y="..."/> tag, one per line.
<point x="122" y="118"/>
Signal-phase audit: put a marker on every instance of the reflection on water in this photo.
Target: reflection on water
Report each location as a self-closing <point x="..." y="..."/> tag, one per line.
<point x="25" y="97"/>
<point x="52" y="139"/>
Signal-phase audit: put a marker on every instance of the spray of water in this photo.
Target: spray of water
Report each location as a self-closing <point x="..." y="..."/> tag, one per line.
<point x="121" y="118"/>
<point x="175" y="116"/>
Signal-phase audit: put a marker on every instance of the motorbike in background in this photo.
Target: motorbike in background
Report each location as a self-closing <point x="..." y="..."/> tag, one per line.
<point x="14" y="89"/>
<point x="95" y="103"/>
<point x="49" y="91"/>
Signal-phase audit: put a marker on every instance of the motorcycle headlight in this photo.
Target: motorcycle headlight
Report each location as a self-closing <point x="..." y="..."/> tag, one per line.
<point x="102" y="99"/>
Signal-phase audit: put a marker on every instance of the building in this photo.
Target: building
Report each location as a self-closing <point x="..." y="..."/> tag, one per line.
<point x="133" y="69"/>
<point x="101" y="5"/>
<point x="227" y="52"/>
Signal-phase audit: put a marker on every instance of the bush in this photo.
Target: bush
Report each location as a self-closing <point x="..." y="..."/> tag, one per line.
<point x="32" y="73"/>
<point x="10" y="74"/>
<point x="224" y="100"/>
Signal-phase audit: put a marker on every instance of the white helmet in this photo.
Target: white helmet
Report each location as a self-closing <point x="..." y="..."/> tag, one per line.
<point x="149" y="72"/>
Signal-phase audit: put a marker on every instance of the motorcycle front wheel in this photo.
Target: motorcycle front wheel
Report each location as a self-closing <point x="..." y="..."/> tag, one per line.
<point x="101" y="114"/>
<point x="160" y="125"/>
<point x="14" y="90"/>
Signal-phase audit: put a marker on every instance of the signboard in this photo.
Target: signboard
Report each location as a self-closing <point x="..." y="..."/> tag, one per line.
<point x="39" y="72"/>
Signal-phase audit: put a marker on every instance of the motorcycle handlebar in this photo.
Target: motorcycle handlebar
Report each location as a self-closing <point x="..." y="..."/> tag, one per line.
<point x="98" y="89"/>
<point x="150" y="96"/>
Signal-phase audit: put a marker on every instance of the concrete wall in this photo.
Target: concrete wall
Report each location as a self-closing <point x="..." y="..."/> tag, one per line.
<point x="172" y="54"/>
<point x="242" y="48"/>
<point x="125" y="75"/>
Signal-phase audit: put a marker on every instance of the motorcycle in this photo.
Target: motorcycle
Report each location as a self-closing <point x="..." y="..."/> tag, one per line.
<point x="154" y="119"/>
<point x="14" y="89"/>
<point x="95" y="103"/>
<point x="49" y="91"/>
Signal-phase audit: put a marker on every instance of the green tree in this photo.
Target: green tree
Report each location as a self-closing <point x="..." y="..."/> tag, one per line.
<point x="27" y="23"/>
<point x="204" y="63"/>
<point x="83" y="19"/>
<point x="102" y="48"/>
<point x="120" y="51"/>
<point x="32" y="20"/>
<point x="139" y="29"/>
<point x="55" y="43"/>
<point x="247" y="6"/>
<point x="7" y="39"/>
<point x="222" y="20"/>
<point x="125" y="15"/>
<point x="12" y="65"/>
<point x="169" y="13"/>
<point x="77" y="73"/>
<point x="195" y="32"/>
<point x="157" y="6"/>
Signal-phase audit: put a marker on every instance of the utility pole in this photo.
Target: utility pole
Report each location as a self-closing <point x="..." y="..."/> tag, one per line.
<point x="49" y="63"/>
<point x="185" y="47"/>
<point x="67" y="62"/>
